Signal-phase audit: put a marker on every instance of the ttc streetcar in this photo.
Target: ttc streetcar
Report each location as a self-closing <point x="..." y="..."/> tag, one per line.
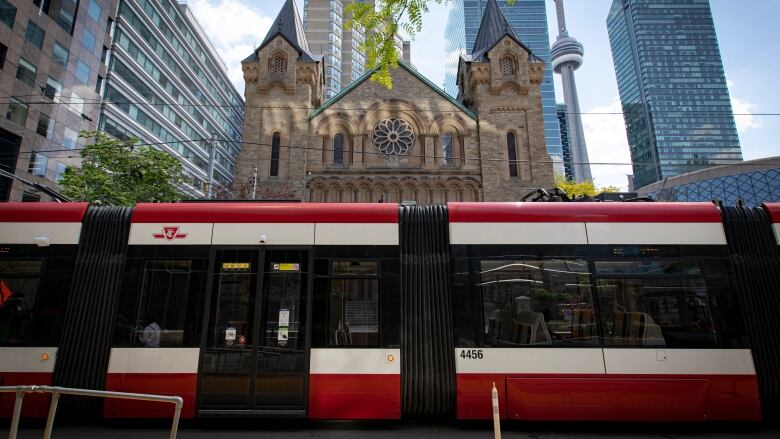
<point x="576" y="311"/>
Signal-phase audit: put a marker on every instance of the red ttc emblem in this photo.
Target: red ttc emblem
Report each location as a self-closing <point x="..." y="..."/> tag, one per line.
<point x="170" y="233"/>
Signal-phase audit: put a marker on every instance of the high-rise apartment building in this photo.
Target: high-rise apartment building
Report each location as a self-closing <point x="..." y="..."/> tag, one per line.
<point x="528" y="18"/>
<point x="672" y="86"/>
<point x="51" y="72"/>
<point x="324" y="22"/>
<point x="565" y="144"/>
<point x="168" y="86"/>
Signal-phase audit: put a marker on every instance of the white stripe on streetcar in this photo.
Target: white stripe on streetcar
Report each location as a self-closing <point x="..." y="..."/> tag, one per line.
<point x="356" y="234"/>
<point x="263" y="233"/>
<point x="662" y="361"/>
<point x="170" y="234"/>
<point x="517" y="233"/>
<point x="34" y="360"/>
<point x="777" y="233"/>
<point x="153" y="360"/>
<point x="25" y="233"/>
<point x="656" y="233"/>
<point x="355" y="361"/>
<point x="529" y="360"/>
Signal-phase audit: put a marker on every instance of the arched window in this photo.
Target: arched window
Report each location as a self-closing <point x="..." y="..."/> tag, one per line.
<point x="338" y="149"/>
<point x="275" y="144"/>
<point x="512" y="150"/>
<point x="447" y="148"/>
<point x="277" y="64"/>
<point x="508" y="65"/>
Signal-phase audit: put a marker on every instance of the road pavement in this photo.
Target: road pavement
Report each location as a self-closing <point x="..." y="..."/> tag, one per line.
<point x="239" y="429"/>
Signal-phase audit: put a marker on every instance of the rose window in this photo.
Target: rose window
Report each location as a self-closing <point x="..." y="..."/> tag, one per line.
<point x="393" y="136"/>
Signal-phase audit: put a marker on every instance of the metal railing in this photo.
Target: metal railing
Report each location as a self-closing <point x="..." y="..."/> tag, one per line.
<point x="20" y="391"/>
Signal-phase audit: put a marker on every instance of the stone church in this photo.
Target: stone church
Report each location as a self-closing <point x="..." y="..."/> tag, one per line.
<point x="410" y="143"/>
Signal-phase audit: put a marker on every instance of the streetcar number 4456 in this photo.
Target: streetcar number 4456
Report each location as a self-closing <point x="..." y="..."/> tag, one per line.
<point x="472" y="354"/>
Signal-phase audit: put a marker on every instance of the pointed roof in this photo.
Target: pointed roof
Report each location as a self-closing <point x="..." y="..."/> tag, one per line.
<point x="492" y="29"/>
<point x="288" y="24"/>
<point x="402" y="64"/>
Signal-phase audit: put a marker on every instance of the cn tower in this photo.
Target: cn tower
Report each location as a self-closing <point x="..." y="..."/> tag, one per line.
<point x="567" y="55"/>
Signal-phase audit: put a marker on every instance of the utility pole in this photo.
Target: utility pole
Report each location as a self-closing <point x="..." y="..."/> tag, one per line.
<point x="212" y="157"/>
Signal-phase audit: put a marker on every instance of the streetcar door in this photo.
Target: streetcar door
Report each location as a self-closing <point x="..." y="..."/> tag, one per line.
<point x="254" y="359"/>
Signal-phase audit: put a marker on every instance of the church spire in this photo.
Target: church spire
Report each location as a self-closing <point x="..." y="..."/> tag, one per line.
<point x="288" y="25"/>
<point x="493" y="27"/>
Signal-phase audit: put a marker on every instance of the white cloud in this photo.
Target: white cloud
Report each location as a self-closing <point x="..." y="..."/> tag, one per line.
<point x="234" y="28"/>
<point x="743" y="111"/>
<point x="605" y="136"/>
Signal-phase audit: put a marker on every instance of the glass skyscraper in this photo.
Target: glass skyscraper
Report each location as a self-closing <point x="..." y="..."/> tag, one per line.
<point x="672" y="86"/>
<point x="529" y="20"/>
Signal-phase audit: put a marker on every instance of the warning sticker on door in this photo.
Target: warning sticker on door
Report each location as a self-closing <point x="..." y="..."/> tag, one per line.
<point x="284" y="317"/>
<point x="230" y="335"/>
<point x="284" y="334"/>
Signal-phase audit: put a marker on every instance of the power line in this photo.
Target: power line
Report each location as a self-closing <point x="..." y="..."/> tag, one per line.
<point x="271" y="107"/>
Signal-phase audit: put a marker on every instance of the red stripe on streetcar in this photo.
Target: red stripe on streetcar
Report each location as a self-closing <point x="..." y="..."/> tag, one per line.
<point x="167" y="384"/>
<point x="353" y="396"/>
<point x="34" y="405"/>
<point x="583" y="212"/>
<point x="774" y="211"/>
<point x="266" y="213"/>
<point x="42" y="212"/>
<point x="613" y="398"/>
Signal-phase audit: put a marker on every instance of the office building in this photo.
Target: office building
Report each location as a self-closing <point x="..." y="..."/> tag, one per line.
<point x="565" y="144"/>
<point x="567" y="56"/>
<point x="752" y="183"/>
<point x="528" y="18"/>
<point x="672" y="86"/>
<point x="51" y="70"/>
<point x="324" y="22"/>
<point x="168" y="86"/>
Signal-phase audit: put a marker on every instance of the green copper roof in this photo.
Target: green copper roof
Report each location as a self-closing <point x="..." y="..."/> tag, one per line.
<point x="368" y="74"/>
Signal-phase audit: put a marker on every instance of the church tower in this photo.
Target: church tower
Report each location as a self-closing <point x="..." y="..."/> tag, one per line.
<point x="501" y="81"/>
<point x="284" y="84"/>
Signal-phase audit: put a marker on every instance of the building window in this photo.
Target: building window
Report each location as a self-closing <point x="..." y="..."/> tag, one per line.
<point x="447" y="146"/>
<point x="278" y="64"/>
<point x="512" y="154"/>
<point x="26" y="72"/>
<point x="82" y="71"/>
<point x="338" y="149"/>
<point x="76" y="104"/>
<point x="53" y="89"/>
<point x="66" y="15"/>
<point x="7" y="13"/>
<point x="17" y="112"/>
<point x="508" y="65"/>
<point x="94" y="10"/>
<point x="61" y="168"/>
<point x="70" y="138"/>
<point x="45" y="126"/>
<point x="35" y="34"/>
<point x="99" y="84"/>
<point x="275" y="145"/>
<point x="3" y="52"/>
<point x="29" y="197"/>
<point x="60" y="54"/>
<point x="38" y="164"/>
<point x="88" y="40"/>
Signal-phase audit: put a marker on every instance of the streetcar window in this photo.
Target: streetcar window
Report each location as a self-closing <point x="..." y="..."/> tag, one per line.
<point x="664" y="312"/>
<point x="349" y="292"/>
<point x="536" y="303"/>
<point x="33" y="294"/>
<point x="161" y="303"/>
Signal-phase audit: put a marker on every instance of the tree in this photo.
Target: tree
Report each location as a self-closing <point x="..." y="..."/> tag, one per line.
<point x="587" y="187"/>
<point x="383" y="22"/>
<point x="122" y="173"/>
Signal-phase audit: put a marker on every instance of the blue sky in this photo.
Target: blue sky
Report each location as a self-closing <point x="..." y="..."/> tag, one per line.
<point x="745" y="34"/>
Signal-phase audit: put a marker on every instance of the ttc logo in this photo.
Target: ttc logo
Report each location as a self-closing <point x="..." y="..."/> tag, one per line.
<point x="170" y="233"/>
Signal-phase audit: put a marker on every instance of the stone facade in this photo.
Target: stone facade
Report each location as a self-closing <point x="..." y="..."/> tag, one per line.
<point x="328" y="152"/>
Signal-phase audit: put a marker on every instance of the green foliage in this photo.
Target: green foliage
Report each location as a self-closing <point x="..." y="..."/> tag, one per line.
<point x="382" y="23"/>
<point x="587" y="187"/>
<point x="119" y="173"/>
